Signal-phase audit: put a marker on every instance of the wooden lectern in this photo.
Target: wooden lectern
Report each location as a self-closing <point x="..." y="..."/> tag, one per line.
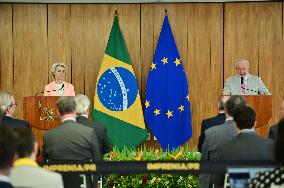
<point x="41" y="113"/>
<point x="262" y="104"/>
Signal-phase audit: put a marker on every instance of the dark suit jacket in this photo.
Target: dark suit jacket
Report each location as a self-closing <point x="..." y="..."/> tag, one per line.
<point x="101" y="132"/>
<point x="13" y="123"/>
<point x="273" y="132"/>
<point x="71" y="141"/>
<point x="5" y="185"/>
<point x="246" y="146"/>
<point x="208" y="123"/>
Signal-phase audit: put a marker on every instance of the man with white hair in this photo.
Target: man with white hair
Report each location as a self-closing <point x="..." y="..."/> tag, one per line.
<point x="8" y="107"/>
<point x="82" y="111"/>
<point x="244" y="83"/>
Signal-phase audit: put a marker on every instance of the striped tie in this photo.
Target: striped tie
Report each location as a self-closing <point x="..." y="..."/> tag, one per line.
<point x="243" y="86"/>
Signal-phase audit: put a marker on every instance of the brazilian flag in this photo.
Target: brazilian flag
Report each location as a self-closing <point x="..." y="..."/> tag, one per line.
<point x="117" y="102"/>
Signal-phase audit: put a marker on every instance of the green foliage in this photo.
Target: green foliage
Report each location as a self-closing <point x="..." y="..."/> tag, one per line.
<point x="152" y="180"/>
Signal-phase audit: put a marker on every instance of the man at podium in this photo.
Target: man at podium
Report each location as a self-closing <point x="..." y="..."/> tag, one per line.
<point x="244" y="83"/>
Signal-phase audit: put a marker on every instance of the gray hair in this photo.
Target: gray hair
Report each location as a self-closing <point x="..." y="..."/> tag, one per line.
<point x="233" y="103"/>
<point x="66" y="105"/>
<point x="5" y="101"/>
<point x="242" y="61"/>
<point x="82" y="104"/>
<point x="55" y="65"/>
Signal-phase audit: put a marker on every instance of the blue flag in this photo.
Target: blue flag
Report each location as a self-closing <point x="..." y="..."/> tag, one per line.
<point x="167" y="106"/>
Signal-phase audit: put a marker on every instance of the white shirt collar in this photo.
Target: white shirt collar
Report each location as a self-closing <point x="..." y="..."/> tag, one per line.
<point x="68" y="119"/>
<point x="229" y="118"/>
<point x="83" y="116"/>
<point x="4" y="178"/>
<point x="246" y="130"/>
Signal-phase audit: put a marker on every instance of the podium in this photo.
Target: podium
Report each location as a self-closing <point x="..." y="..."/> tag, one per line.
<point x="41" y="113"/>
<point x="262" y="104"/>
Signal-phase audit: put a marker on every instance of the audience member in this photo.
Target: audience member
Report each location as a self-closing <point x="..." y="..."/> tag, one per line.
<point x="7" y="155"/>
<point x="70" y="140"/>
<point x="8" y="106"/>
<point x="273" y="129"/>
<point x="213" y="121"/>
<point x="247" y="145"/>
<point x="82" y="111"/>
<point x="221" y="134"/>
<point x="273" y="178"/>
<point x="26" y="172"/>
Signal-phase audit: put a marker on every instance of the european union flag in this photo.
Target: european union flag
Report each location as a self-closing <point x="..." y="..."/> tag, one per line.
<point x="167" y="111"/>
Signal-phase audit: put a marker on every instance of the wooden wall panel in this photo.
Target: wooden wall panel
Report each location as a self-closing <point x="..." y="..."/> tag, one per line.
<point x="241" y="21"/>
<point x="77" y="43"/>
<point x="59" y="48"/>
<point x="205" y="61"/>
<point x="30" y="50"/>
<point x="271" y="68"/>
<point x="6" y="48"/>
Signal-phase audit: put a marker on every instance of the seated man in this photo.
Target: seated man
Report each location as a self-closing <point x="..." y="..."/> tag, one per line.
<point x="26" y="172"/>
<point x="8" y="105"/>
<point x="7" y="155"/>
<point x="212" y="121"/>
<point x="244" y="83"/>
<point x="70" y="140"/>
<point x="247" y="145"/>
<point x="273" y="130"/>
<point x="82" y="111"/>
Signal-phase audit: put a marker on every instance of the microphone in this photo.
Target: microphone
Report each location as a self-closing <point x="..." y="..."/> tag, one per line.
<point x="242" y="80"/>
<point x="49" y="90"/>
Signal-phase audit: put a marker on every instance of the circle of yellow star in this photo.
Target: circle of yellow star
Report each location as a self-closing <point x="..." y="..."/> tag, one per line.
<point x="165" y="60"/>
<point x="169" y="113"/>
<point x="153" y="66"/>
<point x="157" y="112"/>
<point x="147" y="104"/>
<point x="177" y="62"/>
<point x="181" y="108"/>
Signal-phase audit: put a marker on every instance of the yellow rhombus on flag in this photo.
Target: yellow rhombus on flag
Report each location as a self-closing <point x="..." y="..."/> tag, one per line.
<point x="117" y="102"/>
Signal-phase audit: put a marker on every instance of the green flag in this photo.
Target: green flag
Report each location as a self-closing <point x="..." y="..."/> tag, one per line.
<point x="117" y="101"/>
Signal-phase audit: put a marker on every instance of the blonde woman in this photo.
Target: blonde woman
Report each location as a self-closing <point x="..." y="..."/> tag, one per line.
<point x="59" y="87"/>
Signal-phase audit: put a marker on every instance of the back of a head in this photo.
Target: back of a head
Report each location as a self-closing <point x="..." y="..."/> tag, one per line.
<point x="82" y="104"/>
<point x="5" y="101"/>
<point x="245" y="117"/>
<point x="233" y="103"/>
<point x="8" y="144"/>
<point x="279" y="143"/>
<point x="25" y="143"/>
<point x="66" y="105"/>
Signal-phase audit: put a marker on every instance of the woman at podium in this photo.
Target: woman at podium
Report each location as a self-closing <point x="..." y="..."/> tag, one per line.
<point x="59" y="87"/>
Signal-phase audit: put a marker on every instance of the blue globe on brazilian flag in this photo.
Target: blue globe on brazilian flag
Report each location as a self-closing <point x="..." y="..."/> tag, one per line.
<point x="117" y="102"/>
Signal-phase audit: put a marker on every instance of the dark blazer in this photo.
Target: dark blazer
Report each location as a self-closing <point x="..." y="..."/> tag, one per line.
<point x="71" y="141"/>
<point x="101" y="132"/>
<point x="5" y="185"/>
<point x="208" y="123"/>
<point x="246" y="146"/>
<point x="273" y="130"/>
<point x="13" y="123"/>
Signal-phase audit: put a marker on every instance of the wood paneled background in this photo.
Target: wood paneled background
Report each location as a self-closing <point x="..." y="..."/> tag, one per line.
<point x="209" y="36"/>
